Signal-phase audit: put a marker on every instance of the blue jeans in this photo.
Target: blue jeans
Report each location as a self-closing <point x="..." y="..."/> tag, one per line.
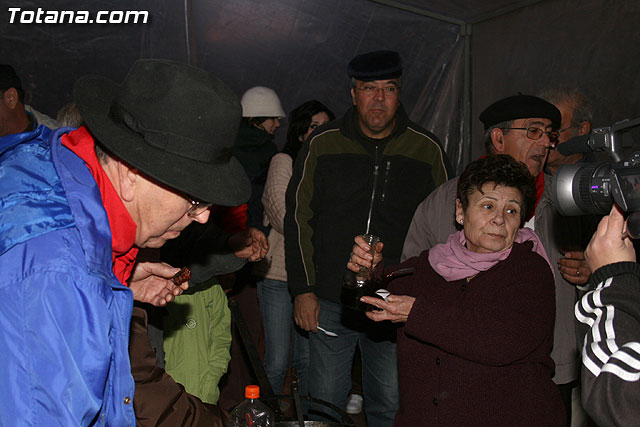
<point x="279" y="330"/>
<point x="331" y="359"/>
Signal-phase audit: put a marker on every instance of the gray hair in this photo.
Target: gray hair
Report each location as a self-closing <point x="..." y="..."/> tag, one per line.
<point x="101" y="153"/>
<point x="574" y="97"/>
<point x="488" y="143"/>
<point x="69" y="115"/>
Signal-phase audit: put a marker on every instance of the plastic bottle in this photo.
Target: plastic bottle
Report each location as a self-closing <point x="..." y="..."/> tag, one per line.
<point x="251" y="412"/>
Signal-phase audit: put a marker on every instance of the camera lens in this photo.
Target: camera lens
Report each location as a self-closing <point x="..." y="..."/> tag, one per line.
<point x="581" y="189"/>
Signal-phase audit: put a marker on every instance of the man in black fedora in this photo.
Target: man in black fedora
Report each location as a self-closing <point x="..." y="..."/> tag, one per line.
<point x="76" y="208"/>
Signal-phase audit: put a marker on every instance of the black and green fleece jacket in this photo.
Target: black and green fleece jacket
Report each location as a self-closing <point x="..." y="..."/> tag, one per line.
<point x="341" y="178"/>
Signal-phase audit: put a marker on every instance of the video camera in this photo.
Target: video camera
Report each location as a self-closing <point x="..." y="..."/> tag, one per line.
<point x="591" y="188"/>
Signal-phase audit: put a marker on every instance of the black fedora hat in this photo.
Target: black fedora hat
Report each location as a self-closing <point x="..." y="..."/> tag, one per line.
<point x="174" y="122"/>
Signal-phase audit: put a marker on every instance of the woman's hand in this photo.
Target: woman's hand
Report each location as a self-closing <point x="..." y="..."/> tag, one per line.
<point x="395" y="308"/>
<point x="250" y="244"/>
<point x="361" y="255"/>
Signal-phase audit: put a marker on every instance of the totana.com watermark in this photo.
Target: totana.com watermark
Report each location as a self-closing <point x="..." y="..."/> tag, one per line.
<point x="41" y="16"/>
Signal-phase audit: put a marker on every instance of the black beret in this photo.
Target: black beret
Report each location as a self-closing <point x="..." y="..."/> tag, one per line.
<point x="9" y="78"/>
<point x="520" y="107"/>
<point x="378" y="65"/>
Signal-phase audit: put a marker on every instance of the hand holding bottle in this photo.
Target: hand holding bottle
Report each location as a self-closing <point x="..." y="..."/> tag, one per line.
<point x="365" y="253"/>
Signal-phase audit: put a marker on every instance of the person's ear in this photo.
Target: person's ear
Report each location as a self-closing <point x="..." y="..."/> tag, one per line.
<point x="584" y="128"/>
<point x="10" y="98"/>
<point x="128" y="182"/>
<point x="459" y="212"/>
<point x="497" y="139"/>
<point x="353" y="95"/>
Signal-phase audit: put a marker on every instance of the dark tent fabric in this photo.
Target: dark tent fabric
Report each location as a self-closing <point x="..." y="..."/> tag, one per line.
<point x="459" y="55"/>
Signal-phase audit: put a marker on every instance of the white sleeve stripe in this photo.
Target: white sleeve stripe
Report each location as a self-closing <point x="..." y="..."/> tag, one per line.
<point x="635" y="346"/>
<point x="627" y="358"/>
<point x="592" y="367"/>
<point x="581" y="313"/>
<point x="621" y="363"/>
<point x="599" y="352"/>
<point x="609" y="331"/>
<point x="621" y="373"/>
<point x="604" y="354"/>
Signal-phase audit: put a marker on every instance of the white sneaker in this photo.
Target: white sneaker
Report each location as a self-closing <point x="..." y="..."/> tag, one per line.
<point x="354" y="404"/>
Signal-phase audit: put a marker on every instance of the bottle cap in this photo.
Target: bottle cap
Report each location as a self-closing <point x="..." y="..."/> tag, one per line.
<point x="252" y="392"/>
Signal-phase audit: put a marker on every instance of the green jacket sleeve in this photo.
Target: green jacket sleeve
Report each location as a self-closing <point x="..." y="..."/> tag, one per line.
<point x="197" y="337"/>
<point x="298" y="222"/>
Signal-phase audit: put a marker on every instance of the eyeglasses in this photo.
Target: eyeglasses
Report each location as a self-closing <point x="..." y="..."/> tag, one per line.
<point x="372" y="90"/>
<point x="536" y="133"/>
<point x="197" y="207"/>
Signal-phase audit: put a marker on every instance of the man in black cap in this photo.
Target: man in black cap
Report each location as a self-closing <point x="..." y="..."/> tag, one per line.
<point x="155" y="153"/>
<point x="524" y="127"/>
<point x="15" y="117"/>
<point x="521" y="126"/>
<point x="363" y="173"/>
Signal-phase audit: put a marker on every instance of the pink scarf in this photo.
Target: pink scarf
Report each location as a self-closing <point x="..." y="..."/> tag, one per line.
<point x="453" y="261"/>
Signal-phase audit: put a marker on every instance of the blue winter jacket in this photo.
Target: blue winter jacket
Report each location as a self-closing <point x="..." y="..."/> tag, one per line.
<point x="64" y="317"/>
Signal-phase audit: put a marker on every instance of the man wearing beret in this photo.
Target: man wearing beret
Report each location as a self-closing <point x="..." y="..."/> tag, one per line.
<point x="76" y="207"/>
<point x="363" y="173"/>
<point x="525" y="127"/>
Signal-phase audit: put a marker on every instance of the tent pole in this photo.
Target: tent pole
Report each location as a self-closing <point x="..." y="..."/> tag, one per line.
<point x="465" y="32"/>
<point x="419" y="11"/>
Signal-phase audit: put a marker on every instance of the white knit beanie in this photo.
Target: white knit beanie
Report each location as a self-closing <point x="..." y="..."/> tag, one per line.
<point x="261" y="101"/>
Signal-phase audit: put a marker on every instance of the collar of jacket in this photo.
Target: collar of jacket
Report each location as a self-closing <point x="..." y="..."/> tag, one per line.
<point x="85" y="201"/>
<point x="251" y="136"/>
<point x="30" y="206"/>
<point x="351" y="128"/>
<point x="123" y="228"/>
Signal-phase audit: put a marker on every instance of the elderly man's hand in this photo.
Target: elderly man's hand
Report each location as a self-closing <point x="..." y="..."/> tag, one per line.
<point x="250" y="244"/>
<point x="395" y="308"/>
<point x="574" y="268"/>
<point x="151" y="283"/>
<point x="361" y="255"/>
<point x="607" y="245"/>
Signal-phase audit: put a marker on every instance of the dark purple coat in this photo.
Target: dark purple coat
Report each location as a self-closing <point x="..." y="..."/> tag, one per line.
<point x="478" y="352"/>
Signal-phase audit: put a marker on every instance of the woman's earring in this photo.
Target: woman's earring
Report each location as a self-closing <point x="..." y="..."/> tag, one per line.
<point x="461" y="221"/>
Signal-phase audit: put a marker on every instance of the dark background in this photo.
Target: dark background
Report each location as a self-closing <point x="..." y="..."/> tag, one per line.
<point x="300" y="48"/>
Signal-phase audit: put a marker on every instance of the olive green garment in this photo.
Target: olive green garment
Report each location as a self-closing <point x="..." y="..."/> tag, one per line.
<point x="197" y="338"/>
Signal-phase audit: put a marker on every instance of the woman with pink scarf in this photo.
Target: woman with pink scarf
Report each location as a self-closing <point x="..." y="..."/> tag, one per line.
<point x="476" y="317"/>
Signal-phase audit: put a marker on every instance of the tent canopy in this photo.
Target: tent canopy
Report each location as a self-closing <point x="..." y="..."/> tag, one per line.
<point x="459" y="55"/>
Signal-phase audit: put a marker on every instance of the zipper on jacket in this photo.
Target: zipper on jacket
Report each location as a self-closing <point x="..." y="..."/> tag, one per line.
<point x="386" y="181"/>
<point x="376" y="174"/>
<point x="373" y="197"/>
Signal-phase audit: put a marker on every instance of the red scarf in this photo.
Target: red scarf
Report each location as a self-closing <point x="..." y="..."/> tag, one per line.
<point x="123" y="229"/>
<point x="539" y="191"/>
